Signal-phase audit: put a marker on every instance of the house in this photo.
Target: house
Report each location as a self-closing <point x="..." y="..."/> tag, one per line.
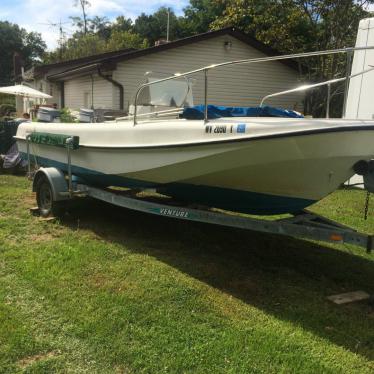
<point x="110" y="80"/>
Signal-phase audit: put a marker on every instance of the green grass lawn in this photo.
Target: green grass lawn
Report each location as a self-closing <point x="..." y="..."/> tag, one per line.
<point x="107" y="290"/>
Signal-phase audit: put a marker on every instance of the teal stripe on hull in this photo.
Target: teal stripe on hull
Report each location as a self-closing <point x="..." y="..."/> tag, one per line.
<point x="224" y="198"/>
<point x="235" y="200"/>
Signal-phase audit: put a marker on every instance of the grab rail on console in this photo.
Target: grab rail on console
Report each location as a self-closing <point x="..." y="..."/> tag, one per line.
<point x="315" y="85"/>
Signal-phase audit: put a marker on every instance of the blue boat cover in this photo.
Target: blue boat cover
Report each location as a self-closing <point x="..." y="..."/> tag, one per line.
<point x="214" y="111"/>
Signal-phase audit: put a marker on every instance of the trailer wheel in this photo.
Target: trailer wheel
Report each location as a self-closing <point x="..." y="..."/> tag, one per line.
<point x="44" y="197"/>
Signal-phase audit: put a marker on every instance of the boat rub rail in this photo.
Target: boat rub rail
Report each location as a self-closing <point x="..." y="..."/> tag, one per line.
<point x="230" y="140"/>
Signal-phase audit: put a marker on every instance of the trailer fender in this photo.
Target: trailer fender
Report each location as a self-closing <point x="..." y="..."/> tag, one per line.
<point x="57" y="181"/>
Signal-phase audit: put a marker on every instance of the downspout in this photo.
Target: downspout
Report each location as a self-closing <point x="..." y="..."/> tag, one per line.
<point x="115" y="83"/>
<point x="92" y="91"/>
<point x="62" y="94"/>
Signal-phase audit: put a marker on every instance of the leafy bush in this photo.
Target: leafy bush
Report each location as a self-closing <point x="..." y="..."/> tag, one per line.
<point x="66" y="116"/>
<point x="6" y="109"/>
<point x="6" y="119"/>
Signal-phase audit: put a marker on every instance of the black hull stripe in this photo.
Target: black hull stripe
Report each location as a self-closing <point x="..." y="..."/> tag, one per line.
<point x="244" y="139"/>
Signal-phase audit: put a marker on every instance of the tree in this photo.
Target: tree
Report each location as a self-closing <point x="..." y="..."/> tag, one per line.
<point x="76" y="47"/>
<point x="29" y="46"/>
<point x="125" y="39"/>
<point x="93" y="43"/>
<point x="96" y="25"/>
<point x="123" y="24"/>
<point x="84" y="4"/>
<point x="292" y="26"/>
<point x="154" y="27"/>
<point x="199" y="15"/>
<point x="101" y="26"/>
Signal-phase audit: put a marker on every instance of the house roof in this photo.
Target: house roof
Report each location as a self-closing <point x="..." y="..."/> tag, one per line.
<point x="82" y="61"/>
<point x="122" y="55"/>
<point x="208" y="35"/>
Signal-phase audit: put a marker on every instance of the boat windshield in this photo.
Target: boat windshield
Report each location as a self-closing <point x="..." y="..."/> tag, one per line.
<point x="174" y="93"/>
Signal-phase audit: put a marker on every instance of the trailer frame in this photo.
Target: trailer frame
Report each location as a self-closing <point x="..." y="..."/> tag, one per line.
<point x="304" y="224"/>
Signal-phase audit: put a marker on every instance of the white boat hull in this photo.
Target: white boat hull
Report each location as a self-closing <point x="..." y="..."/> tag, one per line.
<point x="268" y="169"/>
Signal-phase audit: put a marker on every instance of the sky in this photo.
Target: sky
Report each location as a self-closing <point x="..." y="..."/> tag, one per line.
<point x="34" y="15"/>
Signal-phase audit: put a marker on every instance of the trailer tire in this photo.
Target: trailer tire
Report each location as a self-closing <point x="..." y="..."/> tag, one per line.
<point x="44" y="196"/>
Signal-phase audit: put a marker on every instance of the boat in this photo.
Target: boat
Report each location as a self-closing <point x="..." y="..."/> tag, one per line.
<point x="240" y="159"/>
<point x="252" y="165"/>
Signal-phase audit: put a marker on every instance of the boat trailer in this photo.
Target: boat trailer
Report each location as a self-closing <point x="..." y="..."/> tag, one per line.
<point x="54" y="188"/>
<point x="304" y="224"/>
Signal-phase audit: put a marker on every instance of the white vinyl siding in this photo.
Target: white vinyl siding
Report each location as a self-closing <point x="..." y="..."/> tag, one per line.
<point x="236" y="85"/>
<point x="78" y="93"/>
<point x="239" y="85"/>
<point x="54" y="90"/>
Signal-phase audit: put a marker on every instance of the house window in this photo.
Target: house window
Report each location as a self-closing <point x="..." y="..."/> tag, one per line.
<point x="87" y="99"/>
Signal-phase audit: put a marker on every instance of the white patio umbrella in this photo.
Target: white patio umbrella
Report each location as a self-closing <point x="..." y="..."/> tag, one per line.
<point x="25" y="91"/>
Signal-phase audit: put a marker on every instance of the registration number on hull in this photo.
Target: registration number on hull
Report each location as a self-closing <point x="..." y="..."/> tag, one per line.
<point x="216" y="129"/>
<point x="240" y="128"/>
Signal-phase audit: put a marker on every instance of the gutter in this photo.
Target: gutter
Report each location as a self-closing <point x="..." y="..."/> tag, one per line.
<point x="73" y="72"/>
<point x="115" y="83"/>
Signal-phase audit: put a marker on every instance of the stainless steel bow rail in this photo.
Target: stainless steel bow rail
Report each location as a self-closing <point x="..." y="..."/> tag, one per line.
<point x="348" y="51"/>
<point x="62" y="189"/>
<point x="315" y="85"/>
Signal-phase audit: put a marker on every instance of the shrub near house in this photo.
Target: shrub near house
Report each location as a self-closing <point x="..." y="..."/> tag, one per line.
<point x="6" y="111"/>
